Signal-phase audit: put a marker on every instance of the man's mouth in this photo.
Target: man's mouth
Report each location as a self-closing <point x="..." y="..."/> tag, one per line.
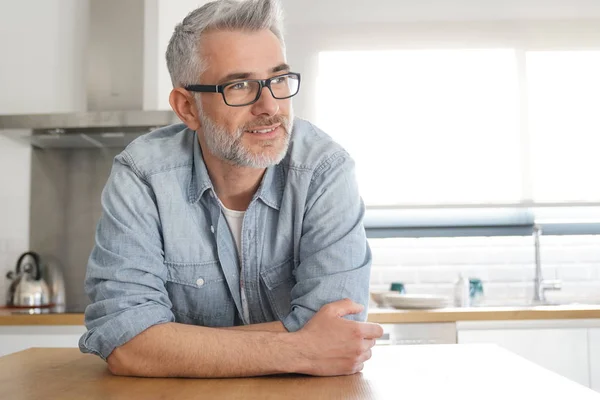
<point x="263" y="130"/>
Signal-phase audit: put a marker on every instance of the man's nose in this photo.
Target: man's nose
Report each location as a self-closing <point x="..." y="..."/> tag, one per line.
<point x="266" y="104"/>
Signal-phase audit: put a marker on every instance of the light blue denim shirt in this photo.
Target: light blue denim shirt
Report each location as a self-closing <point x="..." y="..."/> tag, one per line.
<point x="164" y="251"/>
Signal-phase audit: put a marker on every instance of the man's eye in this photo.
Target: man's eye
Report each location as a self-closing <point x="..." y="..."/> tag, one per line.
<point x="279" y="79"/>
<point x="240" y="86"/>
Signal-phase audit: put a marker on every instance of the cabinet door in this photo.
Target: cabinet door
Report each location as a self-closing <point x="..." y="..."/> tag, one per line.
<point x="564" y="351"/>
<point x="418" y="333"/>
<point x="17" y="338"/>
<point x="594" y="352"/>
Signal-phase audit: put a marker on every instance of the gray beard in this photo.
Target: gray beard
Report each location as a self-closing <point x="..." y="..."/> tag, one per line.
<point x="229" y="147"/>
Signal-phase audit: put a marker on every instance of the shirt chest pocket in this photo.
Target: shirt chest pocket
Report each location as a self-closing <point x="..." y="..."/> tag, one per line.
<point x="279" y="282"/>
<point x="199" y="294"/>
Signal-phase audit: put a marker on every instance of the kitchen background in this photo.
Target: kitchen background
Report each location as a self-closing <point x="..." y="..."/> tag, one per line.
<point x="53" y="63"/>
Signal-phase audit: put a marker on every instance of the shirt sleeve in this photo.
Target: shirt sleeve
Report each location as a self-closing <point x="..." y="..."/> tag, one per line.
<point x="126" y="275"/>
<point x="335" y="258"/>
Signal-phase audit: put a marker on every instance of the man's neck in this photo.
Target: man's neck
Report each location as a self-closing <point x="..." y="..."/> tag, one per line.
<point x="235" y="186"/>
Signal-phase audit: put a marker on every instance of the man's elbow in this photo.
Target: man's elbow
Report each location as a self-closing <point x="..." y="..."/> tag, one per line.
<point x="117" y="363"/>
<point x="129" y="360"/>
<point x="125" y="361"/>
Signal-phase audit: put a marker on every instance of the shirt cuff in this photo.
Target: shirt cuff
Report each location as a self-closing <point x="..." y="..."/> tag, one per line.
<point x="118" y="330"/>
<point x="297" y="318"/>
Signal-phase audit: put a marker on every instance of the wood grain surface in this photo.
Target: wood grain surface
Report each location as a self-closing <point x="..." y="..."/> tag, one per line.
<point x="12" y="319"/>
<point x="395" y="372"/>
<point x="391" y="316"/>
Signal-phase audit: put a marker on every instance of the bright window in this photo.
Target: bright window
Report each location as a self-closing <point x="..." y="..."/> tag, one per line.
<point x="426" y="126"/>
<point x="564" y="124"/>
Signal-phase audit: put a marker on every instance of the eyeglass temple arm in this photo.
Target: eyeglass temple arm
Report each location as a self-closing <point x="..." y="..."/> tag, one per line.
<point x="204" y="88"/>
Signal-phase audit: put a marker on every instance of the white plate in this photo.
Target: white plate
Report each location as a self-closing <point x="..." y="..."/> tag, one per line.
<point x="418" y="301"/>
<point x="379" y="297"/>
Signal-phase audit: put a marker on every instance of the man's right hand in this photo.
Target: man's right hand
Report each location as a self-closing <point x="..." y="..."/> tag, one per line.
<point x="331" y="345"/>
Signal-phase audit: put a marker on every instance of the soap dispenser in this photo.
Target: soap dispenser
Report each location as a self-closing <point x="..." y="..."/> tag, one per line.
<point x="461" y="292"/>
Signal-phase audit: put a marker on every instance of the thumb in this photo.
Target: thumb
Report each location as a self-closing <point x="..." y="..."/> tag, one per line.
<point x="344" y="307"/>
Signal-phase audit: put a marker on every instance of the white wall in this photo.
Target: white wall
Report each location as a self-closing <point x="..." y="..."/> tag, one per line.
<point x="42" y="45"/>
<point x="169" y="13"/>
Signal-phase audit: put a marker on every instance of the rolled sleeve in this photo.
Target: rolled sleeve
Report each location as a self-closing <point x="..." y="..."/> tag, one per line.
<point x="335" y="258"/>
<point x="119" y="329"/>
<point x="125" y="278"/>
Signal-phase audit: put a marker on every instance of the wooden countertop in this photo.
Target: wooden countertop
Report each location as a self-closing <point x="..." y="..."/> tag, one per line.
<point x="12" y="319"/>
<point x="379" y="315"/>
<point x="391" y="316"/>
<point x="414" y="372"/>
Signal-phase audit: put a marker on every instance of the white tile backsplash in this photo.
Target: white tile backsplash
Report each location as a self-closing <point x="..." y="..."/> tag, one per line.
<point x="506" y="265"/>
<point x="393" y="256"/>
<point x="436" y="274"/>
<point x="575" y="272"/>
<point x="397" y="274"/>
<point x="510" y="273"/>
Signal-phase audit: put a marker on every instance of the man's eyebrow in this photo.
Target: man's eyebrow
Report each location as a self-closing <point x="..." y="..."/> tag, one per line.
<point x="281" y="67"/>
<point x="247" y="75"/>
<point x="235" y="76"/>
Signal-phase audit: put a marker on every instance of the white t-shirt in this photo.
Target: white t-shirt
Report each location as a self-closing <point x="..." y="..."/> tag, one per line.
<point x="235" y="220"/>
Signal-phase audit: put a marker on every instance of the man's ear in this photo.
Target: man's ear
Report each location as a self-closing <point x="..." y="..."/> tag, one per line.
<point x="184" y="105"/>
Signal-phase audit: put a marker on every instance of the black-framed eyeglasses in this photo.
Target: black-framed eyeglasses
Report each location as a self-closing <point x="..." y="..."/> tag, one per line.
<point x="246" y="92"/>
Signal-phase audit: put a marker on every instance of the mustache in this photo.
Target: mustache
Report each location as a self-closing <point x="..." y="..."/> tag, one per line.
<point x="277" y="119"/>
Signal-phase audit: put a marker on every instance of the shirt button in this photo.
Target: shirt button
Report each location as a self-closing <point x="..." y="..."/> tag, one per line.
<point x="212" y="229"/>
<point x="200" y="282"/>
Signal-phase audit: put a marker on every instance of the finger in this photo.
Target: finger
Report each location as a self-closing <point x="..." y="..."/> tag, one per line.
<point x="344" y="307"/>
<point x="368" y="344"/>
<point x="370" y="330"/>
<point x="365" y="356"/>
<point x="359" y="368"/>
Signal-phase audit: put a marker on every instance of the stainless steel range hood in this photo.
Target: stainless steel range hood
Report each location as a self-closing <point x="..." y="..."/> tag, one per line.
<point x="119" y="33"/>
<point x="81" y="130"/>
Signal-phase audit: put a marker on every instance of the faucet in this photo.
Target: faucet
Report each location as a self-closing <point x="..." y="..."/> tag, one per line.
<point x="539" y="284"/>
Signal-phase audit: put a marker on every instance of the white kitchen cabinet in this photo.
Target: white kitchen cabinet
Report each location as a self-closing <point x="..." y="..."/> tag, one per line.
<point x="418" y="333"/>
<point x="594" y="355"/>
<point x="561" y="349"/>
<point x="17" y="338"/>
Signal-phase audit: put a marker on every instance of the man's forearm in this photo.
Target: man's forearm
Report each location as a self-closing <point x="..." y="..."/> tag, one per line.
<point x="179" y="350"/>
<point x="275" y="326"/>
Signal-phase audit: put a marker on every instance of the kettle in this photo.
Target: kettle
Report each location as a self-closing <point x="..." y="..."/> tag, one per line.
<point x="54" y="278"/>
<point x="28" y="289"/>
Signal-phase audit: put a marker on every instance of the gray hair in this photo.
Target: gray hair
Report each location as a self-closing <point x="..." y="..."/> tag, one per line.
<point x="183" y="56"/>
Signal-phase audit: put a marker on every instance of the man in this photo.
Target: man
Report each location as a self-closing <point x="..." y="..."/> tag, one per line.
<point x="232" y="244"/>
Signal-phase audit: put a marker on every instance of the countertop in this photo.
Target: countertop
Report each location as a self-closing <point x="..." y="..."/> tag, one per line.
<point x="391" y="316"/>
<point x="379" y="315"/>
<point x="414" y="372"/>
<point x="21" y="317"/>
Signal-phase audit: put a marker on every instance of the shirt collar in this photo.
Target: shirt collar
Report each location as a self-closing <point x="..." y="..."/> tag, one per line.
<point x="200" y="181"/>
<point x="270" y="190"/>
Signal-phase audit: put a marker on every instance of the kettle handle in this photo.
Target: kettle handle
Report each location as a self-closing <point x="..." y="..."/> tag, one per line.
<point x="37" y="275"/>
